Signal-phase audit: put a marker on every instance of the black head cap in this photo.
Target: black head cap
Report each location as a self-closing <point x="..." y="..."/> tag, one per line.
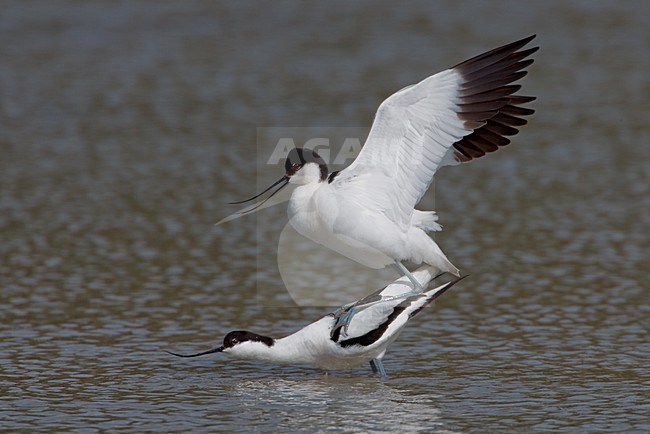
<point x="239" y="336"/>
<point x="298" y="157"/>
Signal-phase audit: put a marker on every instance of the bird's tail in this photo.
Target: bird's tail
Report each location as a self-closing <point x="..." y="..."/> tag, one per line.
<point x="437" y="258"/>
<point x="449" y="267"/>
<point x="424" y="248"/>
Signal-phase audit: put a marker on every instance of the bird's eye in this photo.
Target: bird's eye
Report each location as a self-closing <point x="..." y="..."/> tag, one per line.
<point x="295" y="166"/>
<point x="235" y="340"/>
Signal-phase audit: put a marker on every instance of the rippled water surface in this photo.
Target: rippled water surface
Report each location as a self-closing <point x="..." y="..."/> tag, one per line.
<point x="126" y="127"/>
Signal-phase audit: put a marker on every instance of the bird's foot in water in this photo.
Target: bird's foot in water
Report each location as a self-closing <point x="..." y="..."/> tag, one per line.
<point x="377" y="367"/>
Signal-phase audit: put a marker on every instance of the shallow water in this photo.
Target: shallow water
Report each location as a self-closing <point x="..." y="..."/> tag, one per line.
<point x="126" y="127"/>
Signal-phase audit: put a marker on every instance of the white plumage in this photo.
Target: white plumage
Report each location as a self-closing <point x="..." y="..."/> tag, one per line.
<point x="367" y="211"/>
<point x="381" y="318"/>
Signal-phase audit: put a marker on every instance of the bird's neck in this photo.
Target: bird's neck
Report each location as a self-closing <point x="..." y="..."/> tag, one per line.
<point x="302" y="196"/>
<point x="301" y="347"/>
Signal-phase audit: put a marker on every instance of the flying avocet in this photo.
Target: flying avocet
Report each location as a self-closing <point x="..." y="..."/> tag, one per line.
<point x="367" y="210"/>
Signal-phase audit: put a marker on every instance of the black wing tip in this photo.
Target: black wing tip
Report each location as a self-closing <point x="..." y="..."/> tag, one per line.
<point x="531" y="50"/>
<point x="523" y="41"/>
<point x="529" y="38"/>
<point x="519" y="43"/>
<point x="449" y="285"/>
<point x="525" y="99"/>
<point x="437" y="294"/>
<point x="491" y="56"/>
<point x="488" y="93"/>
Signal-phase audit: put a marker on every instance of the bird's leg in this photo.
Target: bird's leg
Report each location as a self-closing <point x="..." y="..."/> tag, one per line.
<point x="417" y="286"/>
<point x="377" y="366"/>
<point x="338" y="312"/>
<point x="343" y="317"/>
<point x="345" y="313"/>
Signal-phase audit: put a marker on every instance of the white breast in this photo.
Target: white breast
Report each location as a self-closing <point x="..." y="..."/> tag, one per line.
<point x="317" y="213"/>
<point x="312" y="346"/>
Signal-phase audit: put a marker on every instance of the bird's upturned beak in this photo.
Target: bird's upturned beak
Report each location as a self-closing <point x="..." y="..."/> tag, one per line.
<point x="213" y="350"/>
<point x="282" y="181"/>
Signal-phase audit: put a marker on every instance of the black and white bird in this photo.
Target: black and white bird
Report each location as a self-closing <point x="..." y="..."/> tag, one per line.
<point x="367" y="210"/>
<point x="380" y="319"/>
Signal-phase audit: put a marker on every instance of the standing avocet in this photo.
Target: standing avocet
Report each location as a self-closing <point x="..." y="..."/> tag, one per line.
<point x="381" y="318"/>
<point x="367" y="211"/>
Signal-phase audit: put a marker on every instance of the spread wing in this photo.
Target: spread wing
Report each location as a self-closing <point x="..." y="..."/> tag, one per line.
<point x="449" y="118"/>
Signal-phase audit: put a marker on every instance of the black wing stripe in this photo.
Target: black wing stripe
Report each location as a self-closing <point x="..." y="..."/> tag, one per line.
<point x="487" y="101"/>
<point x="374" y="335"/>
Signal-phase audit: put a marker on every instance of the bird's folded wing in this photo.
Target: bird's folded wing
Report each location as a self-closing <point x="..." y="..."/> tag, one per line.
<point x="448" y="118"/>
<point x="376" y="309"/>
<point x="368" y="320"/>
<point x="381" y="320"/>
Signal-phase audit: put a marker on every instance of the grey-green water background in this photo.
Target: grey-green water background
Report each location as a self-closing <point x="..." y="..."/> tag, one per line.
<point x="125" y="127"/>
